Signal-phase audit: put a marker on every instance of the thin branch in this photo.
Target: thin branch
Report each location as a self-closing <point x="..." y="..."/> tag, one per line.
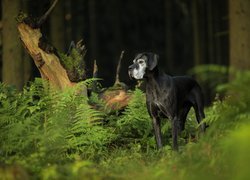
<point x="71" y="46"/>
<point x="45" y="16"/>
<point x="95" y="75"/>
<point x="118" y="68"/>
<point x="95" y="70"/>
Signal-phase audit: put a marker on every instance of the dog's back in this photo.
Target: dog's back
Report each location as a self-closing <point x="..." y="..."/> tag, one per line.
<point x="189" y="91"/>
<point x="184" y="85"/>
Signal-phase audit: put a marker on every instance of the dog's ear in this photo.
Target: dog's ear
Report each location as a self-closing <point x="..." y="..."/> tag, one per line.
<point x="152" y="61"/>
<point x="138" y="55"/>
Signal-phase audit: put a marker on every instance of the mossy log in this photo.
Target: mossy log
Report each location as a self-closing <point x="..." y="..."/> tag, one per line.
<point x="116" y="99"/>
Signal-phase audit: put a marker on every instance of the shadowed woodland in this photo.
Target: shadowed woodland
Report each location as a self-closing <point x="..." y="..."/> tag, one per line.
<point x="68" y="109"/>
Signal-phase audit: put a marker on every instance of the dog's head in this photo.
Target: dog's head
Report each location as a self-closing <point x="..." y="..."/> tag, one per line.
<point x="142" y="63"/>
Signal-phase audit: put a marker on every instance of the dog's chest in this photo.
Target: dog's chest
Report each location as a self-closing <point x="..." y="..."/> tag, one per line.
<point x="161" y="99"/>
<point x="161" y="93"/>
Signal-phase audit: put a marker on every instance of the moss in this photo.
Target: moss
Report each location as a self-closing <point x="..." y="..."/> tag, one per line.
<point x="74" y="64"/>
<point x="21" y="17"/>
<point x="24" y="18"/>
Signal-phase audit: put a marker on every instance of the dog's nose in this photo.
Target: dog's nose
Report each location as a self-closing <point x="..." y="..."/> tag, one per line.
<point x="130" y="67"/>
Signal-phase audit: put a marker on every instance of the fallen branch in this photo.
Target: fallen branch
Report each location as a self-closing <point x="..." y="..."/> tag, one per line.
<point x="117" y="77"/>
<point x="117" y="97"/>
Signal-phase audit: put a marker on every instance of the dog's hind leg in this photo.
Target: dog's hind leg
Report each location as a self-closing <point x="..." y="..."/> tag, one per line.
<point x="183" y="116"/>
<point x="199" y="109"/>
<point x="199" y="116"/>
<point x="196" y="99"/>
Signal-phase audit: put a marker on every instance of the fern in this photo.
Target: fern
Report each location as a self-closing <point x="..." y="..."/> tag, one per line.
<point x="135" y="123"/>
<point x="212" y="74"/>
<point x="19" y="117"/>
<point x="55" y="124"/>
<point x="63" y="135"/>
<point x="86" y="132"/>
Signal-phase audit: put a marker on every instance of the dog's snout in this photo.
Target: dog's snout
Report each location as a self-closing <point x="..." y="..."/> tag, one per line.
<point x="130" y="70"/>
<point x="130" y="67"/>
<point x="133" y="66"/>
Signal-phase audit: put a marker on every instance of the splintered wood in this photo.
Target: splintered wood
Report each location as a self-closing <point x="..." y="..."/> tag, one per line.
<point x="47" y="63"/>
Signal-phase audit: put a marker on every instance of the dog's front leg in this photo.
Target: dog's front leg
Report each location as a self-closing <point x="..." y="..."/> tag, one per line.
<point x="175" y="133"/>
<point x="157" y="129"/>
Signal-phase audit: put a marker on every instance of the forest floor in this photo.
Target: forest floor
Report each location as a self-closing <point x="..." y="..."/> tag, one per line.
<point x="62" y="135"/>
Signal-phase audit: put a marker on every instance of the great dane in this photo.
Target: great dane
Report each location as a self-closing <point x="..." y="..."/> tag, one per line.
<point x="167" y="96"/>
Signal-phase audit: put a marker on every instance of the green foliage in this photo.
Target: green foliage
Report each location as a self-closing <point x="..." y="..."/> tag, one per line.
<point x="74" y="64"/>
<point x="21" y="17"/>
<point x="58" y="135"/>
<point x="72" y="61"/>
<point x="134" y="126"/>
<point x="42" y="126"/>
<point x="211" y="75"/>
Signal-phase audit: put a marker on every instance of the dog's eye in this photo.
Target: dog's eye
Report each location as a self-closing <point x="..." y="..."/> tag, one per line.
<point x="140" y="62"/>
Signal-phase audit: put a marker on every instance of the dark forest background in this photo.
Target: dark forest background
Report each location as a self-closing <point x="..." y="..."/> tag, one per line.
<point x="185" y="33"/>
<point x="55" y="129"/>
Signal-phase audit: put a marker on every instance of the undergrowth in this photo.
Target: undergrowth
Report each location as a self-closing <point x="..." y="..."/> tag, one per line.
<point x="46" y="134"/>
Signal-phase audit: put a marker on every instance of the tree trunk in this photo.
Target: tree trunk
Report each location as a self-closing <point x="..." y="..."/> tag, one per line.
<point x="57" y="27"/>
<point x="210" y="33"/>
<point x="196" y="31"/>
<point x="48" y="63"/>
<point x="12" y="52"/>
<point x="239" y="32"/>
<point x="68" y="21"/>
<point x="78" y="20"/>
<point x="169" y="36"/>
<point x="26" y="58"/>
<point x="199" y="30"/>
<point x="93" y="29"/>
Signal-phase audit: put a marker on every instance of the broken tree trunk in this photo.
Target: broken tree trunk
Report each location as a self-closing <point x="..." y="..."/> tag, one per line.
<point x="51" y="66"/>
<point x="47" y="62"/>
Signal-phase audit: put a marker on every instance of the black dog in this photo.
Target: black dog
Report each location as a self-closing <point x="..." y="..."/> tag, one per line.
<point x="167" y="96"/>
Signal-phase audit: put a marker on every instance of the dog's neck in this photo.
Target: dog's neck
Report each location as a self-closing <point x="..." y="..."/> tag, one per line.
<point x="150" y="75"/>
<point x="153" y="77"/>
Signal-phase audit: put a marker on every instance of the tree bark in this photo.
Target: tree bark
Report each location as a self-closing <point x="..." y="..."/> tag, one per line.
<point x="239" y="32"/>
<point x="169" y="36"/>
<point x="79" y="21"/>
<point x="57" y="27"/>
<point x="26" y="58"/>
<point x="196" y="31"/>
<point x="210" y="33"/>
<point x="93" y="29"/>
<point x="46" y="57"/>
<point x="12" y="52"/>
<point x="47" y="63"/>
